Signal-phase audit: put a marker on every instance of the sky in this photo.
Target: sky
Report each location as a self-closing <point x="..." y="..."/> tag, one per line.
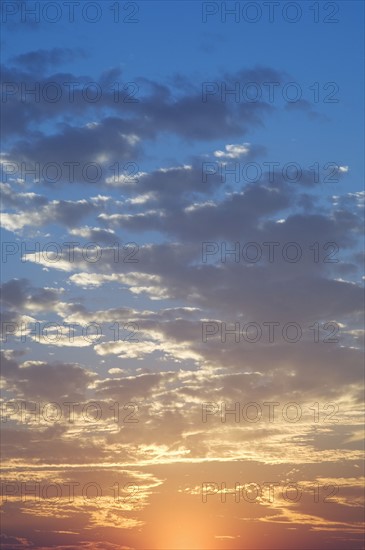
<point x="182" y="271"/>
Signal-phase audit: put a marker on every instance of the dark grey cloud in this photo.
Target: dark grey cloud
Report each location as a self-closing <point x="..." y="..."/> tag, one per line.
<point x="159" y="109"/>
<point x="11" y="199"/>
<point x="39" y="212"/>
<point x="135" y="387"/>
<point x="47" y="381"/>
<point x="17" y="293"/>
<point x="100" y="144"/>
<point x="248" y="215"/>
<point x="42" y="59"/>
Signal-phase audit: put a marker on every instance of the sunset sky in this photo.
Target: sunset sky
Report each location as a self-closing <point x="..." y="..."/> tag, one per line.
<point x="182" y="275"/>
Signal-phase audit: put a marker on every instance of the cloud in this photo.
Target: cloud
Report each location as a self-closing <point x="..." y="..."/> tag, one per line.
<point x="40" y="380"/>
<point x="63" y="212"/>
<point x="233" y="151"/>
<point x="122" y="122"/>
<point x="18" y="293"/>
<point x="41" y="59"/>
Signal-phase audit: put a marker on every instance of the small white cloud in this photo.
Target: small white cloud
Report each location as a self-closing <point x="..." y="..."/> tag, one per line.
<point x="233" y="151"/>
<point x="115" y="371"/>
<point x="92" y="125"/>
<point x="132" y="139"/>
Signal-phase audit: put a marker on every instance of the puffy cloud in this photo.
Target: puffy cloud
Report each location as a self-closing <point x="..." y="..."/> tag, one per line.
<point x="40" y="380"/>
<point x="233" y="151"/>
